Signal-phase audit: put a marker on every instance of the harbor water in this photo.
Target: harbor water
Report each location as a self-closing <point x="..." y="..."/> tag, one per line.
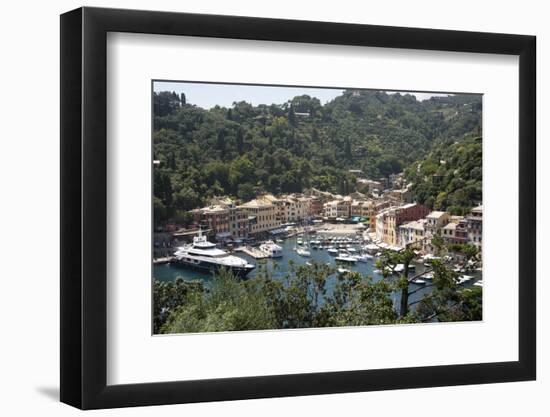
<point x="281" y="267"/>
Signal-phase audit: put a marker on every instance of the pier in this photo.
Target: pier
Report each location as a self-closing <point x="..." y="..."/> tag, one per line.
<point x="250" y="251"/>
<point x="165" y="260"/>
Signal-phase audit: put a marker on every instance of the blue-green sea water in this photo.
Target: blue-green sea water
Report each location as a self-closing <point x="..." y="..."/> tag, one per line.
<point x="280" y="267"/>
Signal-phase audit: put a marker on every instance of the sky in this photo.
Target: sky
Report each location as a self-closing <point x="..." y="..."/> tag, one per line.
<point x="209" y="95"/>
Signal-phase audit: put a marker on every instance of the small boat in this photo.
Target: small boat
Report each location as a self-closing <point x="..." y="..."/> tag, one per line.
<point x="364" y="258"/>
<point x="343" y="271"/>
<point x="428" y="275"/>
<point x="271" y="249"/>
<point x="479" y="283"/>
<point x="418" y="281"/>
<point x="464" y="279"/>
<point x="303" y="252"/>
<point x="346" y="257"/>
<point x="399" y="268"/>
<point x="371" y="247"/>
<point x="332" y="251"/>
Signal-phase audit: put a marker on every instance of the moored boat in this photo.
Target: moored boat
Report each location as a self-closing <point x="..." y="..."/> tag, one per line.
<point x="428" y="275"/>
<point x="271" y="249"/>
<point x="346" y="257"/>
<point x="204" y="255"/>
<point x="365" y="257"/>
<point x="332" y="251"/>
<point x="464" y="279"/>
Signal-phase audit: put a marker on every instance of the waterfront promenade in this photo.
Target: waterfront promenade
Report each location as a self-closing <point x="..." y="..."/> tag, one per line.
<point x="339" y="229"/>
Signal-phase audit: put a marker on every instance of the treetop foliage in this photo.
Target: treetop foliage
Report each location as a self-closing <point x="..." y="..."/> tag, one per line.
<point x="246" y="149"/>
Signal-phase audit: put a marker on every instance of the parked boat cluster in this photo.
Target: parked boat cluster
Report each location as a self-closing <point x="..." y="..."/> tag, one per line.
<point x="345" y="250"/>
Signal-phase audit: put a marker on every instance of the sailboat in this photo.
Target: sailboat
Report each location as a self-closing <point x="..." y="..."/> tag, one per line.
<point x="303" y="250"/>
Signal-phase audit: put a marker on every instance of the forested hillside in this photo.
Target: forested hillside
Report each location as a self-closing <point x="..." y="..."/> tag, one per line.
<point x="246" y="149"/>
<point x="450" y="176"/>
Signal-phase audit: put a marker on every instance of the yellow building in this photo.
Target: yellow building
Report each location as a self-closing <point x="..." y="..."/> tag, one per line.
<point x="263" y="214"/>
<point x="389" y="220"/>
<point x="374" y="207"/>
<point x="361" y="208"/>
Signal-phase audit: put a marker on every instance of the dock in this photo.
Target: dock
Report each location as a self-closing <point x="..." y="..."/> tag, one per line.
<point x="165" y="260"/>
<point x="253" y="252"/>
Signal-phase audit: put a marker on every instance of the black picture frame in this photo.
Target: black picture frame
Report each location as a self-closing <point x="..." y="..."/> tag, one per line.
<point x="84" y="207"/>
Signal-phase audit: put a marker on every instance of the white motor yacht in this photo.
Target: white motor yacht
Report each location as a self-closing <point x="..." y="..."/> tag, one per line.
<point x="204" y="255"/>
<point x="346" y="257"/>
<point x="271" y="249"/>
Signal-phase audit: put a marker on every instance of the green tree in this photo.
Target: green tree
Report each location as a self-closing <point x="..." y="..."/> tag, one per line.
<point x="374" y="131"/>
<point x="186" y="199"/>
<point x="229" y="305"/>
<point x="246" y="191"/>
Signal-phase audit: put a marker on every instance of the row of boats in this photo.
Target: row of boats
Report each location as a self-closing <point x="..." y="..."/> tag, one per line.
<point x="344" y="249"/>
<point x="204" y="255"/>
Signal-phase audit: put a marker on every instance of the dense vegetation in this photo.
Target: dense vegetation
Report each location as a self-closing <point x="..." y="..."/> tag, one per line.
<point x="450" y="176"/>
<point x="244" y="149"/>
<point x="302" y="299"/>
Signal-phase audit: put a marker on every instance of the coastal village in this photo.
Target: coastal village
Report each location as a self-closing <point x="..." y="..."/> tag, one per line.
<point x="381" y="212"/>
<point x="363" y="209"/>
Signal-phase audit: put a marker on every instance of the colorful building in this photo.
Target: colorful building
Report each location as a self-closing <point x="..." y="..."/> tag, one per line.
<point x="340" y="208"/>
<point x="389" y="220"/>
<point x="374" y="208"/>
<point x="262" y="214"/>
<point x="456" y="231"/>
<point x="360" y="208"/>
<point x="315" y="206"/>
<point x="215" y="218"/>
<point x="412" y="232"/>
<point x="475" y="226"/>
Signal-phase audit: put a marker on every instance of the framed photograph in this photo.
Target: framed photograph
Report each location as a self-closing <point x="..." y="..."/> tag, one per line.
<point x="256" y="208"/>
